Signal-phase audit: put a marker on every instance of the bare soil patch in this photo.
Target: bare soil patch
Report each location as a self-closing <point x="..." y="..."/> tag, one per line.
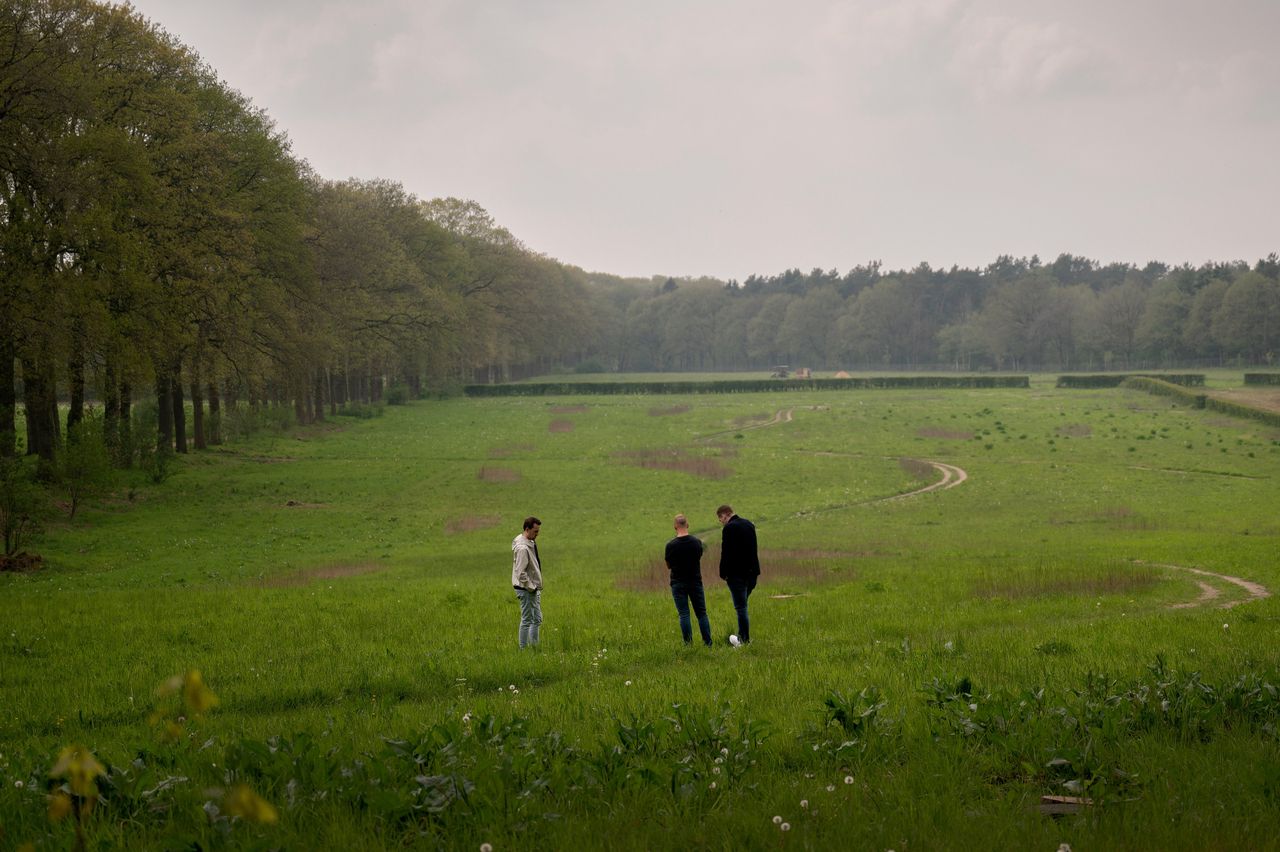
<point x="1075" y="430"/>
<point x="489" y="473"/>
<point x="557" y="426"/>
<point x="471" y="523"/>
<point x="515" y="449"/>
<point x="668" y="412"/>
<point x="297" y="504"/>
<point x="676" y="459"/>
<point x="945" y="434"/>
<point x="917" y="469"/>
<point x="20" y="563"/>
<point x="320" y="572"/>
<point x="1115" y="580"/>
<point x="569" y="409"/>
<point x="1266" y="398"/>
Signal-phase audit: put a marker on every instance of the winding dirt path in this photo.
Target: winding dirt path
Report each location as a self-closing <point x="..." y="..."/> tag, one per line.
<point x="1209" y="592"/>
<point x="951" y="477"/>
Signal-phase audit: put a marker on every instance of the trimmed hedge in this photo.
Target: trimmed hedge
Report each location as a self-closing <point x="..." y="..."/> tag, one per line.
<point x="1114" y="380"/>
<point x="1200" y="400"/>
<point x="1159" y="387"/>
<point x="747" y="385"/>
<point x="1262" y="378"/>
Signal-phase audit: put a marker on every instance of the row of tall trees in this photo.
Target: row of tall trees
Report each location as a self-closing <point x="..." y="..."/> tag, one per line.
<point x="1016" y="314"/>
<point x="160" y="242"/>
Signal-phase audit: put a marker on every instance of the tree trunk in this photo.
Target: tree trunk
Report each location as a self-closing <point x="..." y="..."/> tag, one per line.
<point x="8" y="401"/>
<point x="126" y="425"/>
<point x="197" y="415"/>
<point x="317" y="399"/>
<point x="40" y="401"/>
<point x="164" y="412"/>
<point x="179" y="411"/>
<point x="300" y="403"/>
<point x="110" y="411"/>
<point x="75" y="369"/>
<point x="215" y="415"/>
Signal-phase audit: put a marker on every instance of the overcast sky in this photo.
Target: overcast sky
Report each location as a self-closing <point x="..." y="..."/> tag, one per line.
<point x="730" y="137"/>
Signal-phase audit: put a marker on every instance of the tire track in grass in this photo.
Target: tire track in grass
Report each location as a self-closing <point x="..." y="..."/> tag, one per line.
<point x="1210" y="591"/>
<point x="953" y="475"/>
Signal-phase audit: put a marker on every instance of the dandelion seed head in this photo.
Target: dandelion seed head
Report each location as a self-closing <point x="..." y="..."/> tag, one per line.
<point x="18" y="784"/>
<point x="711" y="786"/>
<point x="628" y="683"/>
<point x="486" y="847"/>
<point x="831" y="788"/>
<point x="804" y="803"/>
<point x="786" y="826"/>
<point x="777" y="820"/>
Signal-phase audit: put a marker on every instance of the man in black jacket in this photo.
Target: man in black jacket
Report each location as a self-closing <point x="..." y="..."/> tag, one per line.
<point x="684" y="559"/>
<point x="739" y="566"/>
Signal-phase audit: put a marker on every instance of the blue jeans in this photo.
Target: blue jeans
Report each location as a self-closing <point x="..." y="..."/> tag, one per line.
<point x="685" y="592"/>
<point x="530" y="615"/>
<point x="740" y="588"/>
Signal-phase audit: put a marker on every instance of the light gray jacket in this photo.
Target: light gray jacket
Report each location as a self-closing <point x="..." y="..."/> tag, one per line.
<point x="526" y="573"/>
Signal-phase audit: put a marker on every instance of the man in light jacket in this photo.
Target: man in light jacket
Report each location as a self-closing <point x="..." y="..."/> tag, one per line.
<point x="526" y="578"/>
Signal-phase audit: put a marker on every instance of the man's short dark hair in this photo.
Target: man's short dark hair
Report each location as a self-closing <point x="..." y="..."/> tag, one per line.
<point x="726" y="509"/>
<point x="531" y="522"/>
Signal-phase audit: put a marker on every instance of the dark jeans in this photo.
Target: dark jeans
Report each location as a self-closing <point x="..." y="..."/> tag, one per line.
<point x="685" y="592"/>
<point x="740" y="588"/>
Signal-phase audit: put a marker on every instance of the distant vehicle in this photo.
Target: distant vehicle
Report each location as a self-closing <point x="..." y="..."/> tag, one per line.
<point x="780" y="372"/>
<point x="803" y="373"/>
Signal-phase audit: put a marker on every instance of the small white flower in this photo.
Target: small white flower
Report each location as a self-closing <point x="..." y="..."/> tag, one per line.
<point x="777" y="820"/>
<point x="1226" y="627"/>
<point x="724" y="751"/>
<point x="720" y="759"/>
<point x="486" y="847"/>
<point x="711" y="786"/>
<point x="628" y="683"/>
<point x="848" y="779"/>
<point x="804" y="803"/>
<point x="831" y="788"/>
<point x="715" y="770"/>
<point x="18" y="784"/>
<point x="786" y="826"/>
<point x="1064" y="847"/>
<point x="512" y="687"/>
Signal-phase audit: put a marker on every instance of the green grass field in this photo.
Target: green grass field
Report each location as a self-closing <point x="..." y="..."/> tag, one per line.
<point x="924" y="668"/>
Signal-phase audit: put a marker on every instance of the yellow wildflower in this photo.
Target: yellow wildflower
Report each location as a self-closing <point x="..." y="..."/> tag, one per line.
<point x="198" y="697"/>
<point x="59" y="806"/>
<point x="80" y="768"/>
<point x="242" y="802"/>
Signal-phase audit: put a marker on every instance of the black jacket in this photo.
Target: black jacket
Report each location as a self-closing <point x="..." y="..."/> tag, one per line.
<point x="738" y="557"/>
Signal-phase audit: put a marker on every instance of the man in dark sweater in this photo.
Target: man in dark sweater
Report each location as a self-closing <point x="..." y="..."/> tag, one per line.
<point x="684" y="561"/>
<point x="739" y="566"/>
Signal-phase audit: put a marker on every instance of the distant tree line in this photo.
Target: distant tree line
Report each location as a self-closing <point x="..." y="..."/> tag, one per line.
<point x="1015" y="314"/>
<point x="161" y="246"/>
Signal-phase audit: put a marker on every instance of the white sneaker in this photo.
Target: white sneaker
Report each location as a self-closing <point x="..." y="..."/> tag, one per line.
<point x="734" y="640"/>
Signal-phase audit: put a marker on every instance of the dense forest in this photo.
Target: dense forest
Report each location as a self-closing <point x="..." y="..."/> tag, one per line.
<point x="163" y="246"/>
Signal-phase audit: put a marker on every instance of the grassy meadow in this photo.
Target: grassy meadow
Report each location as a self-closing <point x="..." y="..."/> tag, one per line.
<point x="925" y="667"/>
